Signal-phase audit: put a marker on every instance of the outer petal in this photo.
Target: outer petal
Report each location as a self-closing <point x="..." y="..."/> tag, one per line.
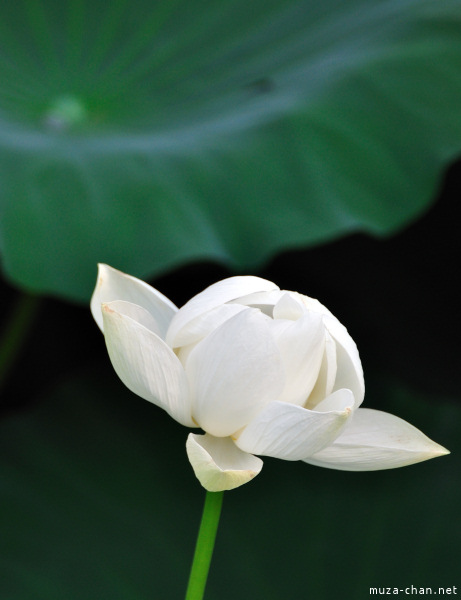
<point x="301" y="344"/>
<point x="137" y="313"/>
<point x="115" y="285"/>
<point x="218" y="464"/>
<point x="375" y="440"/>
<point x="291" y="432"/>
<point x="349" y="372"/>
<point x="312" y="304"/>
<point x="234" y="372"/>
<point x="146" y="365"/>
<point x="214" y="295"/>
<point x="327" y="374"/>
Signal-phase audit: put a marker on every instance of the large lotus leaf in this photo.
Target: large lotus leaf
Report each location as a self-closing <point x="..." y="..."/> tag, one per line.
<point x="98" y="500"/>
<point x="148" y="134"/>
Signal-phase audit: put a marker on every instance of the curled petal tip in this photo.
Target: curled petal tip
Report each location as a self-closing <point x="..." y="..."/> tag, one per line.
<point x="218" y="464"/>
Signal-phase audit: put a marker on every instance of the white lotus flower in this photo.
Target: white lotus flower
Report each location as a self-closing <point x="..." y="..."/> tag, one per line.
<point x="262" y="371"/>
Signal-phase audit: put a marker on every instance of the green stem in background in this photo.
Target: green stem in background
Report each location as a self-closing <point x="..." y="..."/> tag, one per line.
<point x="15" y="331"/>
<point x="204" y="547"/>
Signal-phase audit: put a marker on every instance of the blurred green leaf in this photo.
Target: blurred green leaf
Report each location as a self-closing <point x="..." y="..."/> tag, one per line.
<point x="97" y="500"/>
<point x="151" y="134"/>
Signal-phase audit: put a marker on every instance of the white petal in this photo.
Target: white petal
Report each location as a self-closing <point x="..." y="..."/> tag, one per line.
<point x="146" y="365"/>
<point x="265" y="301"/>
<point x="349" y="372"/>
<point x="291" y="432"/>
<point x="301" y="344"/>
<point x="234" y="372"/>
<point x="214" y="295"/>
<point x="375" y="440"/>
<point x="115" y="285"/>
<point x="327" y="374"/>
<point x="218" y="464"/>
<point x="204" y="324"/>
<point x="137" y="313"/>
<point x="289" y="306"/>
<point x="349" y="367"/>
<point x="312" y="304"/>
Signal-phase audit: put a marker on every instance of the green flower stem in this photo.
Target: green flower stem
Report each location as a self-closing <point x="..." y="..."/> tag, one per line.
<point x="204" y="547"/>
<point x="15" y="331"/>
